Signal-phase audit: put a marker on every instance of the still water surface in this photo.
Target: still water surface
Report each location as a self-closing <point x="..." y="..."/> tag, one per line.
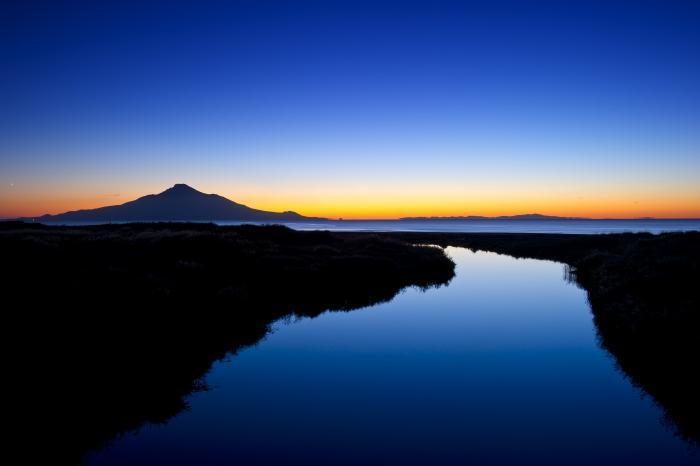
<point x="573" y="226"/>
<point x="577" y="226"/>
<point x="499" y="367"/>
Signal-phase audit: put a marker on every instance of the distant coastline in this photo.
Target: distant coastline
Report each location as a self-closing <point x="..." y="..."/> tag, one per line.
<point x="538" y="217"/>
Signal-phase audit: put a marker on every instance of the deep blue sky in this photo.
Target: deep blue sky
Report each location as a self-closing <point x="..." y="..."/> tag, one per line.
<point x="354" y="108"/>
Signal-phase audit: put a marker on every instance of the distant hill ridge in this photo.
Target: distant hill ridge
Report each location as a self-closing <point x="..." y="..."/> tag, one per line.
<point x="539" y="217"/>
<point x="179" y="203"/>
<point x="502" y="217"/>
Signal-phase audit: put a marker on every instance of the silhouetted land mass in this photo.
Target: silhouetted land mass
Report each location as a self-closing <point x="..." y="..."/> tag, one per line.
<point x="500" y="217"/>
<point x="179" y="203"/>
<point x="112" y="326"/>
<point x="643" y="291"/>
<point x="109" y="327"/>
<point x="535" y="217"/>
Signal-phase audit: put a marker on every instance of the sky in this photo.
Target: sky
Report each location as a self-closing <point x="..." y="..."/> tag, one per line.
<point x="354" y="109"/>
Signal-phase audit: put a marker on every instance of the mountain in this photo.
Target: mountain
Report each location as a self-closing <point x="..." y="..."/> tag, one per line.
<point x="502" y="217"/>
<point x="179" y="203"/>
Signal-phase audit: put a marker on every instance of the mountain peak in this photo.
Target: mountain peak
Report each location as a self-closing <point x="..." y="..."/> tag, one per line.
<point x="181" y="188"/>
<point x="177" y="203"/>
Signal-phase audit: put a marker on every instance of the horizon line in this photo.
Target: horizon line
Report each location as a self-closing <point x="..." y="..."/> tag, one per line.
<point x="351" y="217"/>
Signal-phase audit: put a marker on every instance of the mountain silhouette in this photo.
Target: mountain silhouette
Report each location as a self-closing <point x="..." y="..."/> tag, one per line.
<point x="181" y="202"/>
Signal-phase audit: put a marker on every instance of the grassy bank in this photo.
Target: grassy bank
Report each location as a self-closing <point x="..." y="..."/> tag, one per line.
<point x="643" y="291"/>
<point x="112" y="326"/>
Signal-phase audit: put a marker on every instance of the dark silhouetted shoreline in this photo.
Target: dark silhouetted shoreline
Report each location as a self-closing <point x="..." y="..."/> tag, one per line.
<point x="112" y="326"/>
<point x="644" y="297"/>
<point x="115" y="324"/>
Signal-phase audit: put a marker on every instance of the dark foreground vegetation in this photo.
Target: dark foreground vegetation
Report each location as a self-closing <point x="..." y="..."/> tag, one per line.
<point x="109" y="327"/>
<point x="644" y="291"/>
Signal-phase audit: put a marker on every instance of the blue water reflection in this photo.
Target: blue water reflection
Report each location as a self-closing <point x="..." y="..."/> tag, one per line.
<point x="499" y="367"/>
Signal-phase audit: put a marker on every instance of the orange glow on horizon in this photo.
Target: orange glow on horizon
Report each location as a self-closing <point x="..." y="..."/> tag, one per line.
<point x="370" y="204"/>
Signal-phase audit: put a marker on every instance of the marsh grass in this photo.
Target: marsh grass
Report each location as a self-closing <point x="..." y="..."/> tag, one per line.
<point x="113" y="326"/>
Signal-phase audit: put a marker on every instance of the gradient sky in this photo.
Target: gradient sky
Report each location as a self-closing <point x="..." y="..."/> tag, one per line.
<point x="354" y="109"/>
